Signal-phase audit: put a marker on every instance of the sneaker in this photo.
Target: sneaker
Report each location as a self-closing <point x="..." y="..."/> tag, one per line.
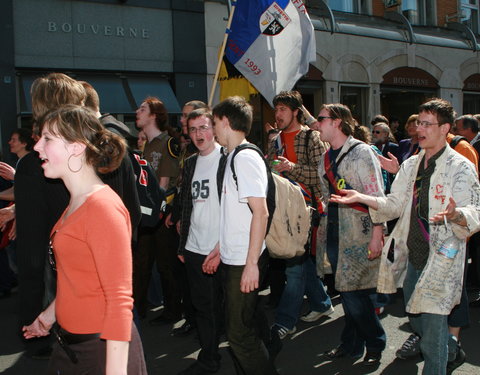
<point x="410" y="348"/>
<point x="282" y="332"/>
<point x="313" y="316"/>
<point x="184" y="330"/>
<point x="372" y="358"/>
<point x="457" y="362"/>
<point x="379" y="310"/>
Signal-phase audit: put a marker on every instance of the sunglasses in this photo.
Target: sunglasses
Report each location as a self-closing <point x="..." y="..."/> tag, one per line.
<point x="321" y="118"/>
<point x="377" y="132"/>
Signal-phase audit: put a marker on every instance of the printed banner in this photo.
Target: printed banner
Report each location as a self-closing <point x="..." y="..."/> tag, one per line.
<point x="271" y="43"/>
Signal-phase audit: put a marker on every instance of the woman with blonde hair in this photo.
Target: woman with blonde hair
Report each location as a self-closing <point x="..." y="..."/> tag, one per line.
<point x="93" y="305"/>
<point x="409" y="147"/>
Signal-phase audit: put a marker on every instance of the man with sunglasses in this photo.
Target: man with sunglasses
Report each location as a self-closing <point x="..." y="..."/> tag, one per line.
<point x="297" y="150"/>
<point x="381" y="139"/>
<point x="351" y="241"/>
<point x="436" y="196"/>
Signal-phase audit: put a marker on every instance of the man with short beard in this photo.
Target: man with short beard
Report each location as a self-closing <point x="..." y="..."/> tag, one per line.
<point x="297" y="150"/>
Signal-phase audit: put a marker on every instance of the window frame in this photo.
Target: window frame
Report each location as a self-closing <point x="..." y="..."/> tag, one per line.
<point x="474" y="22"/>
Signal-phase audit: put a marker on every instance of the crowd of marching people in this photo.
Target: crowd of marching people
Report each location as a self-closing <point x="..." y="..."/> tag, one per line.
<point x="91" y="208"/>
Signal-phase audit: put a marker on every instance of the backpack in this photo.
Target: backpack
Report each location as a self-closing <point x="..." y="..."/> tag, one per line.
<point x="288" y="225"/>
<point x="149" y="193"/>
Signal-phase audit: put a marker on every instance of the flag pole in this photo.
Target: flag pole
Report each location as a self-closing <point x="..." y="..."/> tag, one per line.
<point x="220" y="56"/>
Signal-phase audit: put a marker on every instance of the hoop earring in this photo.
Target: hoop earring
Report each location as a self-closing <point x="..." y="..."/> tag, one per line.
<point x="70" y="168"/>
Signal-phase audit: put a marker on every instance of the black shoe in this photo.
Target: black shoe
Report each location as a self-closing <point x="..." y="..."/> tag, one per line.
<point x="41" y="354"/>
<point x="459" y="360"/>
<point x="196" y="369"/>
<point x="372" y="358"/>
<point x="184" y="330"/>
<point x="337" y="352"/>
<point x="163" y="319"/>
<point x="274" y="346"/>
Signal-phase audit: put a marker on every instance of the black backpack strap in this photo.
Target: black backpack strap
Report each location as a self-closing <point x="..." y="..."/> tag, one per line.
<point x="222" y="163"/>
<point x="271" y="183"/>
<point x="346" y="153"/>
<point x="245" y="146"/>
<point x="456" y="140"/>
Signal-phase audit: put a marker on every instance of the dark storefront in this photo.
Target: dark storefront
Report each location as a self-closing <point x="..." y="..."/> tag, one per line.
<point x="471" y="95"/>
<point x="403" y="90"/>
<point x="126" y="50"/>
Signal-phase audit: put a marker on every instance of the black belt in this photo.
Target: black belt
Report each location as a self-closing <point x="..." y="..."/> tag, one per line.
<point x="65" y="338"/>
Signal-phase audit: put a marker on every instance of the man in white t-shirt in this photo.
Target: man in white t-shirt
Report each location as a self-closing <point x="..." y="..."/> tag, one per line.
<point x="199" y="235"/>
<point x="243" y="223"/>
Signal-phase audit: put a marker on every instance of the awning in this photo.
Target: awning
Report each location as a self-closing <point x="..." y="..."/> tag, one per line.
<point x="142" y="87"/>
<point x="118" y="94"/>
<point x="110" y="89"/>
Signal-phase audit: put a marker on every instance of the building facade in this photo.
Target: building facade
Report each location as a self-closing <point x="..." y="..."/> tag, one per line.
<point x="127" y="49"/>
<point x="384" y="56"/>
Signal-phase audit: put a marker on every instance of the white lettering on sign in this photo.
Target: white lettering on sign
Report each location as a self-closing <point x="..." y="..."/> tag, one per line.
<point x="104" y="30"/>
<point x="410" y="81"/>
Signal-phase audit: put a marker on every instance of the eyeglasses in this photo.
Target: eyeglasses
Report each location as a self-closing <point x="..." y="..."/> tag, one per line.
<point x="200" y="129"/>
<point x="425" y="124"/>
<point x="376" y="131"/>
<point x="321" y="118"/>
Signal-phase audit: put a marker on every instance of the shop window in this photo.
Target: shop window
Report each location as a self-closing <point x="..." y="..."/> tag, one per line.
<point x="419" y="12"/>
<point x="471" y="103"/>
<point x="469" y="14"/>
<point x="349" y="6"/>
<point x="355" y="98"/>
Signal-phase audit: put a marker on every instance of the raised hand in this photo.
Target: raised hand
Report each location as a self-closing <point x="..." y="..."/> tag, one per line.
<point x="389" y="164"/>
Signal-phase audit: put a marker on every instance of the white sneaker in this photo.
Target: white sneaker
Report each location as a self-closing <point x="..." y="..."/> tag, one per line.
<point x="313" y="316"/>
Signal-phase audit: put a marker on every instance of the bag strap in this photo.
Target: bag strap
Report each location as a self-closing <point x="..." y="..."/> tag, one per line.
<point x="222" y="163"/>
<point x="271" y="182"/>
<point x="456" y="140"/>
<point x="332" y="180"/>
<point x="245" y="146"/>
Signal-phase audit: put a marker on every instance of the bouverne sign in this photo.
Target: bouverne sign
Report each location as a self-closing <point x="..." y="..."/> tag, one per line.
<point x="95" y="29"/>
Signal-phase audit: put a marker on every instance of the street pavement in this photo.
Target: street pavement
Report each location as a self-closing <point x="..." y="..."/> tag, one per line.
<point x="301" y="353"/>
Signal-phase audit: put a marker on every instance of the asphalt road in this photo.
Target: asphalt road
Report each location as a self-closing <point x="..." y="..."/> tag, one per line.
<point x="301" y="353"/>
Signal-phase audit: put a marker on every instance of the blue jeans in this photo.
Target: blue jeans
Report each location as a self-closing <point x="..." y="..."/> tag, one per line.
<point x="362" y="326"/>
<point x="432" y="328"/>
<point x="301" y="279"/>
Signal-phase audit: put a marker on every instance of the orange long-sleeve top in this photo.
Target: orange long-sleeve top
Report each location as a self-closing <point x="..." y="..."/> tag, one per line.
<point x="465" y="149"/>
<point x="94" y="268"/>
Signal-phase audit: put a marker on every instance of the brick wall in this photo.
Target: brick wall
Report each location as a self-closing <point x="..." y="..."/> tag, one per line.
<point x="378" y="8"/>
<point x="445" y="7"/>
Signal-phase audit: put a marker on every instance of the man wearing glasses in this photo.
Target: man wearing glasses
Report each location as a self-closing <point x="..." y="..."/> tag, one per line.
<point x="199" y="236"/>
<point x="353" y="243"/>
<point x="436" y="196"/>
